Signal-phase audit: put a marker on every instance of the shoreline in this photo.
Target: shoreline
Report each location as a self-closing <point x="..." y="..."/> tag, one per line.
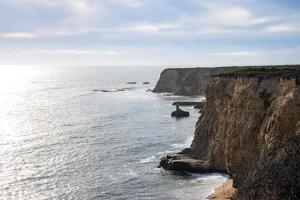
<point x="224" y="191"/>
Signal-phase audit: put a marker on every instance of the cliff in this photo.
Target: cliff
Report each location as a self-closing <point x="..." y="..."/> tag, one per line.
<point x="249" y="117"/>
<point x="186" y="81"/>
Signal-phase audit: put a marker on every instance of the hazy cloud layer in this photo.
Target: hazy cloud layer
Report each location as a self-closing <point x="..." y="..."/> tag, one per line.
<point x="150" y="31"/>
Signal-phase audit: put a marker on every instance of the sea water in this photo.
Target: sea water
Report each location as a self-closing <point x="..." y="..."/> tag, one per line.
<point x="82" y="132"/>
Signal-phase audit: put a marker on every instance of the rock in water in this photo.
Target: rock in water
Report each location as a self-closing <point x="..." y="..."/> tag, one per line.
<point x="200" y="105"/>
<point x="180" y="113"/>
<point x="131" y="82"/>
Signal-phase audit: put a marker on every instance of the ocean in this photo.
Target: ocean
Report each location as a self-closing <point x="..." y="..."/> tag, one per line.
<point x="82" y="132"/>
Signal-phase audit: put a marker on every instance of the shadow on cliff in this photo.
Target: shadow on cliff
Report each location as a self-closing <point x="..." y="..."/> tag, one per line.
<point x="277" y="178"/>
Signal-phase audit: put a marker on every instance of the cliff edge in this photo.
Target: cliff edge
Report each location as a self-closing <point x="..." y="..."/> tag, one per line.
<point x="249" y="118"/>
<point x="186" y="81"/>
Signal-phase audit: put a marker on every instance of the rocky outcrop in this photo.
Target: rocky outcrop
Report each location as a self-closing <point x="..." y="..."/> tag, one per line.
<point x="249" y="113"/>
<point x="186" y="81"/>
<point x="278" y="177"/>
<point x="180" y="113"/>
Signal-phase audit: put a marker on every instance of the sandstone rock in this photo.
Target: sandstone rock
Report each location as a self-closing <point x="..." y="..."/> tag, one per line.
<point x="179" y="162"/>
<point x="247" y="114"/>
<point x="193" y="81"/>
<point x="186" y="81"/>
<point x="200" y="105"/>
<point x="298" y="128"/>
<point x="276" y="178"/>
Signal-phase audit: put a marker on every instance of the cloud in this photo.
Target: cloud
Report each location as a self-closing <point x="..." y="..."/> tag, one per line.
<point x="231" y="16"/>
<point x="46" y="33"/>
<point x="282" y="28"/>
<point x="146" y="28"/>
<point x="158" y="28"/>
<point x="82" y="27"/>
<point x="81" y="7"/>
<point x="212" y="18"/>
<point x="238" y="53"/>
<point x="18" y="35"/>
<point x="84" y="8"/>
<point x="131" y="3"/>
<point x="78" y="52"/>
<point x="216" y="19"/>
<point x="219" y="18"/>
<point x="258" y="52"/>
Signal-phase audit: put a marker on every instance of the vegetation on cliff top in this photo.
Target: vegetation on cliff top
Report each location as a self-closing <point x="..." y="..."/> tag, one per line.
<point x="284" y="71"/>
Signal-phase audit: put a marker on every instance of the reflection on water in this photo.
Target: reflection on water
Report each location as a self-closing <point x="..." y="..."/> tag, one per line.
<point x="59" y="139"/>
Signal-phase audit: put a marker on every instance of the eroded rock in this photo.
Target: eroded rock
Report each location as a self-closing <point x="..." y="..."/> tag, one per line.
<point x="180" y="113"/>
<point x="247" y="115"/>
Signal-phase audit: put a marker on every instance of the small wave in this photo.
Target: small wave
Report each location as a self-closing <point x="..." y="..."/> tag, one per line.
<point x="178" y="146"/>
<point x="51" y="88"/>
<point x="152" y="158"/>
<point x="147" y="160"/>
<point x="69" y="125"/>
<point x="114" y="179"/>
<point x="82" y="95"/>
<point x="208" y="176"/>
<point x="187" y="143"/>
<point x="164" y="153"/>
<point x="131" y="173"/>
<point x="37" y="178"/>
<point x="114" y="90"/>
<point x="97" y="127"/>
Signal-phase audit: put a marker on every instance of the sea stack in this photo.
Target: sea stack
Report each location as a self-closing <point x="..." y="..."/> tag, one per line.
<point x="179" y="113"/>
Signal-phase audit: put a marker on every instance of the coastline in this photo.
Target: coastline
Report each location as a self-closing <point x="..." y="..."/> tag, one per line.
<point x="248" y="126"/>
<point x="224" y="191"/>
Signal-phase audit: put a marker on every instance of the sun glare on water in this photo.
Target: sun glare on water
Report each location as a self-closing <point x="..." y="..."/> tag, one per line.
<point x="14" y="84"/>
<point x="12" y="76"/>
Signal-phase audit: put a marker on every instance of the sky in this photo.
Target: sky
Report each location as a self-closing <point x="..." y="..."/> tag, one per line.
<point x="149" y="32"/>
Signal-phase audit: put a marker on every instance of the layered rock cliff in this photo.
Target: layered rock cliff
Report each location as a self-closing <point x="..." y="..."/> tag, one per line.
<point x="249" y="115"/>
<point x="186" y="81"/>
<point x="277" y="178"/>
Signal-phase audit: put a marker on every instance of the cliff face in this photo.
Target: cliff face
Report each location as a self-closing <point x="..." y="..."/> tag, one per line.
<point x="247" y="115"/>
<point x="278" y="177"/>
<point x="186" y="81"/>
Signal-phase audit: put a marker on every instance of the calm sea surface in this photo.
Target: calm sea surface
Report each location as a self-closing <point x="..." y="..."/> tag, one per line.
<point x="83" y="133"/>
